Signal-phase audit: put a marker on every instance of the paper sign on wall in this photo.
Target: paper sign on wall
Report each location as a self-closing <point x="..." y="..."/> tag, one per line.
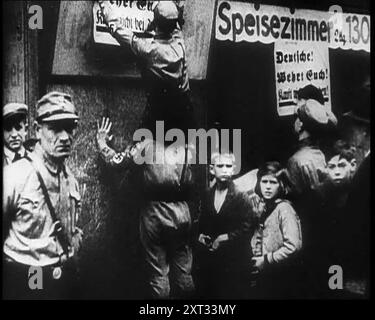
<point x="133" y="15"/>
<point x="240" y="21"/>
<point x="298" y="64"/>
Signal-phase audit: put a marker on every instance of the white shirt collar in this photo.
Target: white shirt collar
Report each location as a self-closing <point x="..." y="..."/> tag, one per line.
<point x="10" y="154"/>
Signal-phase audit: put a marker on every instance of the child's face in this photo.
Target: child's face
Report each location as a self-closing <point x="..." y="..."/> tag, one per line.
<point x="269" y="186"/>
<point x="340" y="170"/>
<point x="223" y="168"/>
<point x="14" y="134"/>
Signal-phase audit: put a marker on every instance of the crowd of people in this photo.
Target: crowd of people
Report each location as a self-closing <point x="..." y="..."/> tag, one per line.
<point x="294" y="224"/>
<point x="277" y="240"/>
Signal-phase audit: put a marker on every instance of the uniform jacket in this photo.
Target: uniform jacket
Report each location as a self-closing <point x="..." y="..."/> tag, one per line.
<point x="162" y="179"/>
<point x="30" y="240"/>
<point x="163" y="57"/>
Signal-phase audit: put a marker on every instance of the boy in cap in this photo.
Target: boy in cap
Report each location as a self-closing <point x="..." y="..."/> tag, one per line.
<point x="307" y="167"/>
<point x="41" y="201"/>
<point x="15" y="130"/>
<point x="307" y="172"/>
<point x="163" y="64"/>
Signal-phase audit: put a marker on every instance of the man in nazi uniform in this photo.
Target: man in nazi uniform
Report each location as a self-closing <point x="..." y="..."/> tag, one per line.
<point x="162" y="59"/>
<point x="165" y="221"/>
<point x="41" y="201"/>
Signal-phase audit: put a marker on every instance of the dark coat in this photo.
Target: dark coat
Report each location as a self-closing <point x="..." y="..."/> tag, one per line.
<point x="235" y="218"/>
<point x="225" y="273"/>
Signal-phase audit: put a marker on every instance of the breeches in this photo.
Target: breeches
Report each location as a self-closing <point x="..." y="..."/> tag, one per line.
<point x="168" y="258"/>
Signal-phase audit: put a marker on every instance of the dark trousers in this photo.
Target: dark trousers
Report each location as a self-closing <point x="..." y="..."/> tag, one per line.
<point x="220" y="277"/>
<point x="18" y="284"/>
<point x="168" y="259"/>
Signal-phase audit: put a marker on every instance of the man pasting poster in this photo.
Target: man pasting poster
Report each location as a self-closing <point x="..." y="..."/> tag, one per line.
<point x="298" y="64"/>
<point x="136" y="16"/>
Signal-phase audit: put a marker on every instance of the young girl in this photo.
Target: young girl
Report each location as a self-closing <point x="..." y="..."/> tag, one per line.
<point x="277" y="237"/>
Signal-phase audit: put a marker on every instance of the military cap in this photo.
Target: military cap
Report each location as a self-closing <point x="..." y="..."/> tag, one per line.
<point x="167" y="10"/>
<point x="315" y="113"/>
<point x="14" y="108"/>
<point x="56" y="106"/>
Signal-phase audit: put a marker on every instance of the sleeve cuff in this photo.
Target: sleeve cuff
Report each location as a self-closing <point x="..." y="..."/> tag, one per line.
<point x="270" y="258"/>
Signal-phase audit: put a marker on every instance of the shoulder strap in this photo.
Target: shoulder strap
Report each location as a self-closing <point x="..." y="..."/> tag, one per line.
<point x="185" y="166"/>
<point x="59" y="228"/>
<point x="184" y="67"/>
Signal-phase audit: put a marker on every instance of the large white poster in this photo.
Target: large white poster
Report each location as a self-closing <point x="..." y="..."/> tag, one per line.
<point x="133" y="15"/>
<point x="297" y="65"/>
<point x="239" y="21"/>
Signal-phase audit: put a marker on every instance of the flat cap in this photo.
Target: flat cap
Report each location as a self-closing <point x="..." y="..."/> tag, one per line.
<point x="56" y="106"/>
<point x="167" y="10"/>
<point x="311" y="92"/>
<point x="315" y="113"/>
<point x="14" y="108"/>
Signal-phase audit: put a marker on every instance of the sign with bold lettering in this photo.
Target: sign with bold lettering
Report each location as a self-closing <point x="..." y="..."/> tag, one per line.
<point x="298" y="64"/>
<point x="133" y="15"/>
<point x="239" y="21"/>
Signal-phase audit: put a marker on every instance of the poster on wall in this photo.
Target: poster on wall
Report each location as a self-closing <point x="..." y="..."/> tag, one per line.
<point x="298" y="64"/>
<point x="133" y="15"/>
<point x="301" y="38"/>
<point x="239" y="21"/>
<point x="80" y="22"/>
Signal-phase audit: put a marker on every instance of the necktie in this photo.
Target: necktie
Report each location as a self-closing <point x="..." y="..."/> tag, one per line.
<point x="17" y="157"/>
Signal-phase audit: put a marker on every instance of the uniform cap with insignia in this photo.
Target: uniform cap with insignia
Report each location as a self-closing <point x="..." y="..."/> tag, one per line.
<point x="56" y="106"/>
<point x="167" y="10"/>
<point x="14" y="108"/>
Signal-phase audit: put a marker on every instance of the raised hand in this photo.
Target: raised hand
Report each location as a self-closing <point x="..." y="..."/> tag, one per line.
<point x="103" y="129"/>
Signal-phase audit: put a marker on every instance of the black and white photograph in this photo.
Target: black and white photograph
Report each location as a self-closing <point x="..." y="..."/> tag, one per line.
<point x="207" y="152"/>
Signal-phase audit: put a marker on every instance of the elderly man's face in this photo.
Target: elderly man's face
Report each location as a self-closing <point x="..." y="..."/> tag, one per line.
<point x="15" y="130"/>
<point x="56" y="137"/>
